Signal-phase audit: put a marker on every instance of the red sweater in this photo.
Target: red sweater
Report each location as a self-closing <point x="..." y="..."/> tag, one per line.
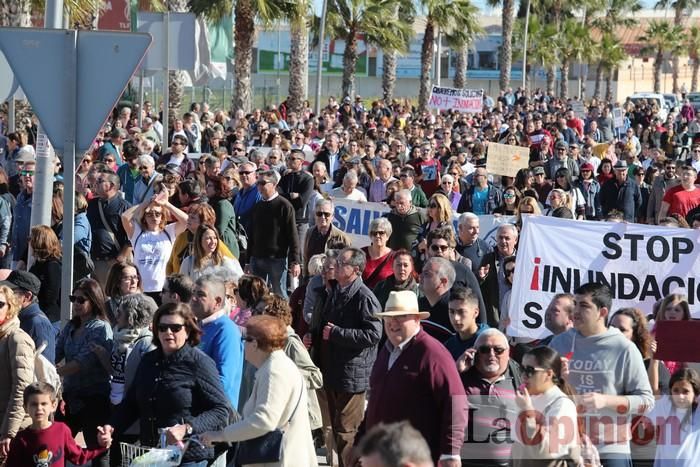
<point x="420" y="388"/>
<point x="49" y="447"/>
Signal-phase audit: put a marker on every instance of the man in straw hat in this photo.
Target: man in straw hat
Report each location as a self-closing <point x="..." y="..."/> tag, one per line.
<point x="414" y="378"/>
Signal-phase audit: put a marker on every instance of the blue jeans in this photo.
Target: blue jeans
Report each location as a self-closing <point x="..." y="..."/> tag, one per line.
<point x="616" y="460"/>
<point x="195" y="464"/>
<point x="273" y="271"/>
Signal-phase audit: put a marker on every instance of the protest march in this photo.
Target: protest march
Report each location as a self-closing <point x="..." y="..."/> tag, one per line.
<point x="508" y="281"/>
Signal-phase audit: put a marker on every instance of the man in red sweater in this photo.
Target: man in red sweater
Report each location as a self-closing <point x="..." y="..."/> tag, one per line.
<point x="415" y="379"/>
<point x="681" y="198"/>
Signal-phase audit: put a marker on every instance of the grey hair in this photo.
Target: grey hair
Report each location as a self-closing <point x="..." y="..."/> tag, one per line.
<point x="351" y="176"/>
<point x="270" y="175"/>
<point x="491" y="332"/>
<point x="511" y="227"/>
<point x="404" y="194"/>
<point x="357" y="258"/>
<point x="139" y="309"/>
<point x="467" y="216"/>
<point x="222" y="274"/>
<point x="214" y="284"/>
<point x="147" y="160"/>
<point x="445" y="269"/>
<point x="396" y="444"/>
<point x="316" y="264"/>
<point x="325" y="202"/>
<point x="381" y="223"/>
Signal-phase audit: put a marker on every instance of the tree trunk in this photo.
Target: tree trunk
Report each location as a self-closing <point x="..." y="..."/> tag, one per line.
<point x="244" y="32"/>
<point x="298" y="65"/>
<point x="564" y="85"/>
<point x="551" y="77"/>
<point x="694" y="79"/>
<point x="176" y="78"/>
<point x="657" y="70"/>
<point x="426" y="64"/>
<point x="598" y="79"/>
<point x="16" y="13"/>
<point x="506" y="57"/>
<point x="349" y="64"/>
<point x="389" y="75"/>
<point x="608" y="85"/>
<point x="675" y="61"/>
<point x="462" y="55"/>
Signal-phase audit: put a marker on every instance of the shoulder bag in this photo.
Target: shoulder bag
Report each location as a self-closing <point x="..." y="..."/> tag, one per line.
<point x="268" y="447"/>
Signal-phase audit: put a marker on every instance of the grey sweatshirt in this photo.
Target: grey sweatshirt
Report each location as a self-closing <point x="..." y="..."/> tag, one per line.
<point x="610" y="364"/>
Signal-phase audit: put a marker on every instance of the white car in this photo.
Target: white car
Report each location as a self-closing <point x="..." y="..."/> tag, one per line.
<point x="655" y="98"/>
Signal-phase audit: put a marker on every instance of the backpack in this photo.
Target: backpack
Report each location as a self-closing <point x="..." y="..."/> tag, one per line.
<point x="45" y="371"/>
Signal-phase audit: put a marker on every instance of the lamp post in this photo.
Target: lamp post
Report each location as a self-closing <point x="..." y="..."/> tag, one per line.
<point x="321" y="42"/>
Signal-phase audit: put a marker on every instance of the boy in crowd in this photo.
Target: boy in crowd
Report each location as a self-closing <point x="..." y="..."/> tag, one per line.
<point x="46" y="442"/>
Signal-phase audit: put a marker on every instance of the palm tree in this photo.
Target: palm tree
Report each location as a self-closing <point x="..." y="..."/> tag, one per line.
<point x="543" y="50"/>
<point x="176" y="78"/>
<point x="246" y="12"/>
<point x="444" y="15"/>
<point x="661" y="37"/>
<point x="459" y="40"/>
<point x="299" y="55"/>
<point x="573" y="41"/>
<point x="692" y="43"/>
<point x="505" y="57"/>
<point x="347" y="18"/>
<point x="612" y="55"/>
<point x="404" y="13"/>
<point x="679" y="8"/>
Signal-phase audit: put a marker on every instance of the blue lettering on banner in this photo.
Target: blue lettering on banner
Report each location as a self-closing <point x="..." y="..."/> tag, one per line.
<point x="339" y="217"/>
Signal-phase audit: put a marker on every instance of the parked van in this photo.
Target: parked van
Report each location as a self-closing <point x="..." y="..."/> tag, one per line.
<point x="655" y="98"/>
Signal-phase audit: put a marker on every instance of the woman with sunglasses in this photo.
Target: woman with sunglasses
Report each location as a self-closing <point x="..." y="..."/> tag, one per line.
<point x="439" y="214"/>
<point x="511" y="200"/>
<point x="152" y="239"/>
<point x="379" y="255"/>
<point x="178" y="388"/>
<point x="85" y="380"/>
<point x="123" y="279"/>
<point x="547" y="426"/>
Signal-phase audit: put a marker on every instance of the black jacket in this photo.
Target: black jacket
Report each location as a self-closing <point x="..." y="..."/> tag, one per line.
<point x="182" y="387"/>
<point x="302" y="183"/>
<point x="626" y="198"/>
<point x="349" y="354"/>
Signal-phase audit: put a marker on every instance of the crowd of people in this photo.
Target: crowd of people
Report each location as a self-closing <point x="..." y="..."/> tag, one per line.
<point x="216" y="299"/>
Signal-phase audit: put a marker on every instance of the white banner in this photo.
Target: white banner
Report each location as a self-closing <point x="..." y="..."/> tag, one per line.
<point x="463" y="100"/>
<point x="353" y="218"/>
<point x="640" y="263"/>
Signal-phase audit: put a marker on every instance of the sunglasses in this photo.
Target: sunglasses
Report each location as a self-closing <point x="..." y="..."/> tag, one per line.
<point x="530" y="371"/>
<point x="441" y="248"/>
<point x="246" y="172"/>
<point x="143" y="167"/>
<point x="27" y="173"/>
<point x="433" y="205"/>
<point x="154" y="214"/>
<point x="174" y="328"/>
<point x="377" y="233"/>
<point x="509" y="272"/>
<point x="508" y="195"/>
<point x="262" y="182"/>
<point x="486" y="349"/>
<point x="75" y="298"/>
<point x="324" y="214"/>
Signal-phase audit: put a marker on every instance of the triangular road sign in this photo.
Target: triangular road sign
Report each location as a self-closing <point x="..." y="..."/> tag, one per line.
<point x="106" y="61"/>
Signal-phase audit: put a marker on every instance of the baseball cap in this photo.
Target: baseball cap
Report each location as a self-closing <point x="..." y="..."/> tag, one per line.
<point x="539" y="170"/>
<point x="23" y="280"/>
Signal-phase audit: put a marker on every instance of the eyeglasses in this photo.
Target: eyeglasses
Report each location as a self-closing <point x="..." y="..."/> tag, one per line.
<point x="154" y="214"/>
<point x="262" y="182"/>
<point x="324" y="214"/>
<point x="509" y="272"/>
<point x="78" y="299"/>
<point x="530" y="371"/>
<point x="377" y="233"/>
<point x="247" y="339"/>
<point x="27" y="173"/>
<point x="174" y="328"/>
<point x="143" y="167"/>
<point x="486" y="349"/>
<point x="440" y="248"/>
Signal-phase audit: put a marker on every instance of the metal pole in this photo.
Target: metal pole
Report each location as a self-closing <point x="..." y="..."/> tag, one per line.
<point x="69" y="163"/>
<point x="166" y="78"/>
<point x="527" y="24"/>
<point x="11" y="110"/>
<point x="321" y="43"/>
<point x="141" y="92"/>
<point x="279" y="59"/>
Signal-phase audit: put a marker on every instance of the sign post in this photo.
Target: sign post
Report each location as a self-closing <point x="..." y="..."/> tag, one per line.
<point x="71" y="119"/>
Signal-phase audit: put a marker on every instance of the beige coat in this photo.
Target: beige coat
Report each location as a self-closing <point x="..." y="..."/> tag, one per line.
<point x="277" y="389"/>
<point x="16" y="373"/>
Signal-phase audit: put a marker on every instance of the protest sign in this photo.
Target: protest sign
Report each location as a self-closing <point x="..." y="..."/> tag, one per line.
<point x="504" y="159"/>
<point x="464" y="100"/>
<point x="618" y="117"/>
<point x="353" y="218"/>
<point x="676" y="342"/>
<point x="579" y="109"/>
<point x="640" y="263"/>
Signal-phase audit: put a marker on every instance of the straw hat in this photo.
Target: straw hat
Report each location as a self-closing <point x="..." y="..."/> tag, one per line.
<point x="402" y="303"/>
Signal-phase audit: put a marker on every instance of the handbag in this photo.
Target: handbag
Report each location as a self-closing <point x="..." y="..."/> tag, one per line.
<point x="268" y="447"/>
